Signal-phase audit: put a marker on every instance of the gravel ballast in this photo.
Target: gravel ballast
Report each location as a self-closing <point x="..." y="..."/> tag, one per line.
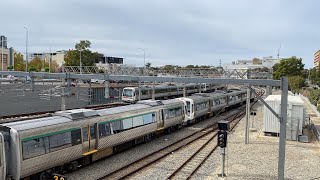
<point x="259" y="158"/>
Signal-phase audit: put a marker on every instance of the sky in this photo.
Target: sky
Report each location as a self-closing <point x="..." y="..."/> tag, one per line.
<point x="183" y="32"/>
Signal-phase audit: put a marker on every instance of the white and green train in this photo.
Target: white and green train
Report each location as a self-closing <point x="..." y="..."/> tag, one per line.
<point x="67" y="140"/>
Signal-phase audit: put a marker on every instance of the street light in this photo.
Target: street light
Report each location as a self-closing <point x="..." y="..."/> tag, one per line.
<point x="2" y="41"/>
<point x="80" y="63"/>
<point x="144" y="56"/>
<point x="26" y="49"/>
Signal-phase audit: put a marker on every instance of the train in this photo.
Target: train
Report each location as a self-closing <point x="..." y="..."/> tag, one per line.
<point x="166" y="91"/>
<point x="67" y="140"/>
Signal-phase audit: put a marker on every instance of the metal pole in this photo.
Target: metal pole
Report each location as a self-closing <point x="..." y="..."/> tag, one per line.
<point x="2" y="41"/>
<point x="247" y="116"/>
<point x="139" y="90"/>
<point x="144" y="58"/>
<point x="223" y="161"/>
<point x="50" y="60"/>
<point x="26" y="49"/>
<point x="80" y="63"/>
<point x="63" y="101"/>
<point x="283" y="123"/>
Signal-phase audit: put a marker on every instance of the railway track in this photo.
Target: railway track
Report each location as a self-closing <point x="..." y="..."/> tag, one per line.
<point x="192" y="163"/>
<point x="23" y="117"/>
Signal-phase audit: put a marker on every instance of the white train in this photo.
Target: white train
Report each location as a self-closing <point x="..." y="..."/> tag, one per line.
<point x="131" y="94"/>
<point x="37" y="148"/>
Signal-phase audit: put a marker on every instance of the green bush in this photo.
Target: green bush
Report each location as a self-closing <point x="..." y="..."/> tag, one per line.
<point x="10" y="67"/>
<point x="31" y="68"/>
<point x="46" y="69"/>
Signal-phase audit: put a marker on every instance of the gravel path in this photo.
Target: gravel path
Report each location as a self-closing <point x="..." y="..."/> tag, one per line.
<point x="110" y="164"/>
<point x="259" y="158"/>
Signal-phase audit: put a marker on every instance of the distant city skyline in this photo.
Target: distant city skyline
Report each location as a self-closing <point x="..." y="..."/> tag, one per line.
<point x="171" y="32"/>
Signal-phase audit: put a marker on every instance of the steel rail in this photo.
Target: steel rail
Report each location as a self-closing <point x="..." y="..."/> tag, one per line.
<point x="145" y="161"/>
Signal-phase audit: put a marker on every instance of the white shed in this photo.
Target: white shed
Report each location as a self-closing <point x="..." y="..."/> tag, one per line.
<point x="295" y="119"/>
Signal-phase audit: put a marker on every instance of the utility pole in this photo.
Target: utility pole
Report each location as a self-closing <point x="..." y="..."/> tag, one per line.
<point x="283" y="129"/>
<point x="2" y="41"/>
<point x="80" y="63"/>
<point x="279" y="51"/>
<point x="26" y="49"/>
<point x="50" y="60"/>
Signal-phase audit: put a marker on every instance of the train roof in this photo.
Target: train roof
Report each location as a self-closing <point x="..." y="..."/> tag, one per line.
<point x="212" y="95"/>
<point x="159" y="102"/>
<point x="115" y="110"/>
<point x="171" y="101"/>
<point x="166" y="86"/>
<point x="61" y="117"/>
<point x="37" y="123"/>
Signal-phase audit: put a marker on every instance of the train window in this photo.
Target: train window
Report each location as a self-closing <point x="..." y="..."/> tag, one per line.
<point x="33" y="148"/>
<point x="172" y="113"/>
<point x="188" y="107"/>
<point x="92" y="132"/>
<point x="59" y="141"/>
<point x="217" y="101"/>
<point x="178" y="111"/>
<point x="76" y="137"/>
<point x="85" y="134"/>
<point x="127" y="92"/>
<point x="116" y="126"/>
<point x="239" y="96"/>
<point x="147" y="119"/>
<point x="104" y="129"/>
<point x="127" y="123"/>
<point x="137" y="121"/>
<point x="144" y="92"/>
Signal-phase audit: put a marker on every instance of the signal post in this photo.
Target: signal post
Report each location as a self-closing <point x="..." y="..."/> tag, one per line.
<point x="222" y="142"/>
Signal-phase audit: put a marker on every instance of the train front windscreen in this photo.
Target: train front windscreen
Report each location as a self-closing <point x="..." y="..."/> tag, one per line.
<point x="128" y="95"/>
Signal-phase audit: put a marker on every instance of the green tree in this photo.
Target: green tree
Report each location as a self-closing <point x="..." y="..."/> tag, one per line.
<point x="148" y="65"/>
<point x="19" y="64"/>
<point x="314" y="75"/>
<point x="168" y="67"/>
<point x="88" y="58"/>
<point x="288" y="67"/>
<point x="36" y="64"/>
<point x="83" y="45"/>
<point x="296" y="83"/>
<point x="189" y="66"/>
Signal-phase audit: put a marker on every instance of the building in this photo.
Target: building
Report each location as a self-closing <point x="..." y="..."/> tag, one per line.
<point x="8" y="54"/>
<point x="316" y="62"/>
<point x="57" y="56"/>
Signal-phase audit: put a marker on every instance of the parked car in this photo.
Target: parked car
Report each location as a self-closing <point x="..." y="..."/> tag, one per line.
<point x="98" y="81"/>
<point x="12" y="78"/>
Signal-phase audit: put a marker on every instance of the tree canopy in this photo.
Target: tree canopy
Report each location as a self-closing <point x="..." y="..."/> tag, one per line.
<point x="88" y="58"/>
<point x="37" y="64"/>
<point x="288" y="67"/>
<point x="19" y="64"/>
<point x="314" y="75"/>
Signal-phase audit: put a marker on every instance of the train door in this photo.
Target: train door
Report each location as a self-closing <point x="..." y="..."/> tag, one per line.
<point x="89" y="139"/>
<point x="2" y="158"/>
<point x="190" y="109"/>
<point x="160" y="125"/>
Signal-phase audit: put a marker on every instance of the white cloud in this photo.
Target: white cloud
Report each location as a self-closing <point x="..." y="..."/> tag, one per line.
<point x="173" y="32"/>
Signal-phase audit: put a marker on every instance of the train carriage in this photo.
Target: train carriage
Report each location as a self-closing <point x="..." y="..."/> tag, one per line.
<point x="69" y="139"/>
<point x="131" y="94"/>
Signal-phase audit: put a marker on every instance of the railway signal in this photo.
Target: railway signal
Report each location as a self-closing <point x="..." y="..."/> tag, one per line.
<point x="222" y="138"/>
<point x="223" y="127"/>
